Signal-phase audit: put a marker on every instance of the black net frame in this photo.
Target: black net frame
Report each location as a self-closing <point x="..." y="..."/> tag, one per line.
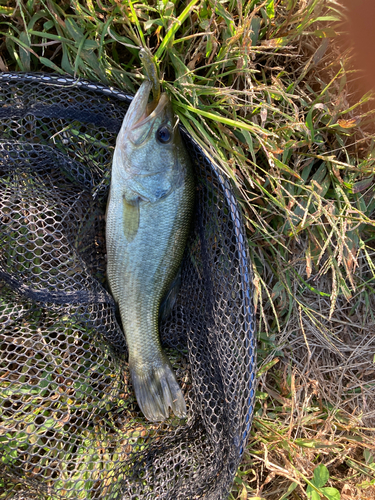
<point x="69" y="423"/>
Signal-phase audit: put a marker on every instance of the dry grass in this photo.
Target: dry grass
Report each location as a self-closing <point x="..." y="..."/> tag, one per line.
<point x="267" y="88"/>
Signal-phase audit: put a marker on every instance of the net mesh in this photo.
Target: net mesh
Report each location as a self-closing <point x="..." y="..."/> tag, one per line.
<point x="70" y="426"/>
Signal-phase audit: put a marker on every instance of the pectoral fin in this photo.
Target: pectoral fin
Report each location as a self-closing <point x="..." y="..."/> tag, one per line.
<point x="130" y="218"/>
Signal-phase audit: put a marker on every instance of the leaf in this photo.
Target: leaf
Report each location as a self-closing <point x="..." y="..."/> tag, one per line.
<point x="209" y="46"/>
<point x="275" y="42"/>
<point x="222" y="11"/>
<point x="291" y="488"/>
<point x="368" y="456"/>
<point x="74" y="30"/>
<point x="254" y="30"/>
<point x="47" y="25"/>
<point x="311" y="443"/>
<point x="90" y="45"/>
<point x="24" y="53"/>
<point x="287" y="169"/>
<point x="174" y="28"/>
<point x="291" y="4"/>
<point x="65" y="63"/>
<point x="147" y="24"/>
<point x="312" y="494"/>
<point x="362" y="185"/>
<point x="321" y="476"/>
<point x="134" y="19"/>
<point x="326" y="32"/>
<point x="227" y="121"/>
<point x="51" y="36"/>
<point x="261" y="395"/>
<point x="7" y="11"/>
<point x="331" y="493"/>
<point x="267" y="367"/>
<point x="245" y="136"/>
<point x="243" y="495"/>
<point x="353" y="122"/>
<point x="320" y="181"/>
<point x="322" y="294"/>
<point x="183" y="74"/>
<point x="51" y="65"/>
<point x="309" y="118"/>
<point x="270" y="9"/>
<point x="321" y="51"/>
<point x="320" y="173"/>
<point x="308" y="260"/>
<point x="327" y="18"/>
<point x="350" y="251"/>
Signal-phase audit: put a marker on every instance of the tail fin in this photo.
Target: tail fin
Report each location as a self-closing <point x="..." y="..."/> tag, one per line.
<point x="156" y="389"/>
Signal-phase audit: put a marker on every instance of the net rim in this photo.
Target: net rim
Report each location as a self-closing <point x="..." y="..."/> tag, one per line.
<point x="245" y="271"/>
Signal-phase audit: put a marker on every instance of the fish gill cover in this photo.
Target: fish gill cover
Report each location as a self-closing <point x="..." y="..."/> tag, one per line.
<point x="70" y="426"/>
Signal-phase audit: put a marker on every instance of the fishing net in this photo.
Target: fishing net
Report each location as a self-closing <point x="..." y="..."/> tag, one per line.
<point x="70" y="426"/>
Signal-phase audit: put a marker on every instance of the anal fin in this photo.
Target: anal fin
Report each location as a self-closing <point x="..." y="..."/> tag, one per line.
<point x="170" y="297"/>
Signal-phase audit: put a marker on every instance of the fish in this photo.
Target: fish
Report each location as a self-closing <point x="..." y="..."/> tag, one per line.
<point x="148" y="218"/>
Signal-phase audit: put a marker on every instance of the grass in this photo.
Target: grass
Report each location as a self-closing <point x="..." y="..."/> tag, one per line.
<point x="268" y="89"/>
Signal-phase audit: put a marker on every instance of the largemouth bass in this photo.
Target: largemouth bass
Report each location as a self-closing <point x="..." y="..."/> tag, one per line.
<point x="147" y="223"/>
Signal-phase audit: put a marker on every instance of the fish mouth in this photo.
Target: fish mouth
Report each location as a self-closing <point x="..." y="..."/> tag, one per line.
<point x="140" y="111"/>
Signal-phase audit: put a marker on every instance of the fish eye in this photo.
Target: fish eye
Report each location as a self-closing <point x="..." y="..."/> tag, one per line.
<point x="164" y="135"/>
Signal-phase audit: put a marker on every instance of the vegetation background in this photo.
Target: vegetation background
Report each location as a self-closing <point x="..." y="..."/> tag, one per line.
<point x="267" y="87"/>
